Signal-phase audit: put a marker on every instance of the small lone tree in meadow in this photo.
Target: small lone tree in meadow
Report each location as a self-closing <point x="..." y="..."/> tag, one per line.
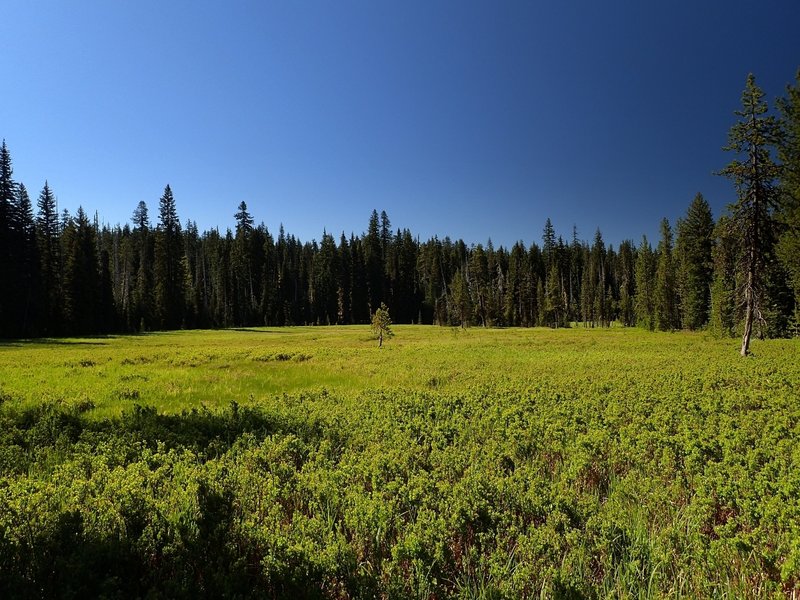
<point x="382" y="324"/>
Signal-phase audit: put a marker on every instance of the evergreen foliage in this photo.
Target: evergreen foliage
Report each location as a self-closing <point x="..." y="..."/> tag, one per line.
<point x="70" y="276"/>
<point x="665" y="309"/>
<point x="753" y="138"/>
<point x="788" y="247"/>
<point x="694" y="245"/>
<point x="382" y="324"/>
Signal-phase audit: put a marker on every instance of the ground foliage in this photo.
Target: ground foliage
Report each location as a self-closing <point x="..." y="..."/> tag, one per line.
<point x="596" y="463"/>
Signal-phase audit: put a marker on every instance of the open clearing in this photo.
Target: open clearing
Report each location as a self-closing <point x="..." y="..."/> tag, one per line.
<point x="474" y="463"/>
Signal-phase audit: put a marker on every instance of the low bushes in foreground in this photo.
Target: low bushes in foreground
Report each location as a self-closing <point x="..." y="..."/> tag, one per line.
<point x="489" y="493"/>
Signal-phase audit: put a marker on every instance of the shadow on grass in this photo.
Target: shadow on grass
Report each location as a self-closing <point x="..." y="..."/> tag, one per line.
<point x="207" y="433"/>
<point x="263" y="331"/>
<point x="200" y="556"/>
<point x="51" y="342"/>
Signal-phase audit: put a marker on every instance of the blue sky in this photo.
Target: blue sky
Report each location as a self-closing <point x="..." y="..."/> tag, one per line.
<point x="475" y="120"/>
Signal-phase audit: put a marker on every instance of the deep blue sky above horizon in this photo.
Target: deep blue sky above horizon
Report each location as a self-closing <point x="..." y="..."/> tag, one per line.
<point x="475" y="120"/>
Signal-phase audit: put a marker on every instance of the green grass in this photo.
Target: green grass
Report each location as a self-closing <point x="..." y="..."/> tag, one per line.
<point x="180" y="370"/>
<point x="473" y="463"/>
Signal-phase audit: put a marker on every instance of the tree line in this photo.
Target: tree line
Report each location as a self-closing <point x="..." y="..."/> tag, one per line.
<point x="66" y="274"/>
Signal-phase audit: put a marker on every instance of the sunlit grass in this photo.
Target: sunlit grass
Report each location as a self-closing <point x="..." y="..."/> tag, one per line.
<point x="473" y="463"/>
<point x="179" y="370"/>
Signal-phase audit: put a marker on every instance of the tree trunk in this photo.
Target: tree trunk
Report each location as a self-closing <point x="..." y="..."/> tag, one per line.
<point x="748" y="315"/>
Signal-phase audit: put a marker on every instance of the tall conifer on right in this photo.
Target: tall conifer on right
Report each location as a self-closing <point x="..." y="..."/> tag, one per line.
<point x="752" y="216"/>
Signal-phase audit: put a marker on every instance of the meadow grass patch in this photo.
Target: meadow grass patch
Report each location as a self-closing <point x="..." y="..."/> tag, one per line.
<point x="307" y="462"/>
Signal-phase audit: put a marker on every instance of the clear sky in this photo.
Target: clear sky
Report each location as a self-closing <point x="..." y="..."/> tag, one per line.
<point x="467" y="119"/>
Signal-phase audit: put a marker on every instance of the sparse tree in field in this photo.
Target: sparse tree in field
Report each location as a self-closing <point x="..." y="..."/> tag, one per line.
<point x="752" y="216"/>
<point x="382" y="324"/>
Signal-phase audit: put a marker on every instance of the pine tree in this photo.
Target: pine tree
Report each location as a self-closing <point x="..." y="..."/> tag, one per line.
<point x="752" y="219"/>
<point x="788" y="248"/>
<point x="554" y="309"/>
<point x="724" y="255"/>
<point x="8" y="264"/>
<point x="664" y="300"/>
<point x="143" y="315"/>
<point x="344" y="282"/>
<point x="28" y="265"/>
<point x="47" y="235"/>
<point x="645" y="286"/>
<point x="460" y="299"/>
<point x="598" y="276"/>
<point x="242" y="255"/>
<point x="626" y="277"/>
<point x="548" y="243"/>
<point x="479" y="269"/>
<point x="382" y="324"/>
<point x="169" y="276"/>
<point x="373" y="257"/>
<point x="81" y="277"/>
<point x="693" y="248"/>
<point x="324" y="298"/>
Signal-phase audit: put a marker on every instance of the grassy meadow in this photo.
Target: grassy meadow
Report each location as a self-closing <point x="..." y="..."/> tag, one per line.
<point x="306" y="462"/>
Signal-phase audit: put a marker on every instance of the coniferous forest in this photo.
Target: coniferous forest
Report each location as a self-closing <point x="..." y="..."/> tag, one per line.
<point x="65" y="274"/>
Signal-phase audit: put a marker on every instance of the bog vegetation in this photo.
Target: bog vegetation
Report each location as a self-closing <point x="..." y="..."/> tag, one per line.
<point x="480" y="463"/>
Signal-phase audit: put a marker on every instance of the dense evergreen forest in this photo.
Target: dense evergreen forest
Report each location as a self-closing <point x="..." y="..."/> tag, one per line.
<point x="66" y="274"/>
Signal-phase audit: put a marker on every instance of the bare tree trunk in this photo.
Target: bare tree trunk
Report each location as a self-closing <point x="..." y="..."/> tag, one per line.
<point x="380" y="340"/>
<point x="748" y="315"/>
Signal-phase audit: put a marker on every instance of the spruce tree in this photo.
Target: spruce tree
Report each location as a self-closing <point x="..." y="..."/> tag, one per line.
<point x="664" y="299"/>
<point x="373" y="258"/>
<point x="169" y="276"/>
<point x="752" y="217"/>
<point x="27" y="265"/>
<point x="143" y="311"/>
<point x="554" y="309"/>
<point x="693" y="246"/>
<point x="645" y="286"/>
<point x="548" y="243"/>
<point x="725" y="257"/>
<point x="47" y="235"/>
<point x="81" y="277"/>
<point x="460" y="299"/>
<point x="8" y="270"/>
<point x="626" y="277"/>
<point x="245" y="302"/>
<point x="788" y="248"/>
